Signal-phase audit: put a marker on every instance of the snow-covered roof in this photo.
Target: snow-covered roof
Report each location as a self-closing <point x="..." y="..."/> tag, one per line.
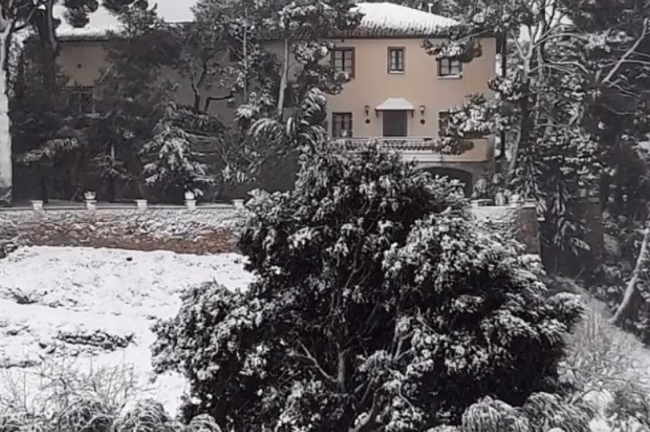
<point x="103" y="22"/>
<point x="380" y="20"/>
<point x="395" y="104"/>
<point x="390" y="19"/>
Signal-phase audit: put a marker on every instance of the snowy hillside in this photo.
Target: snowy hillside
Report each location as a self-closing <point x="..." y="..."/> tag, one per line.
<point x="97" y="306"/>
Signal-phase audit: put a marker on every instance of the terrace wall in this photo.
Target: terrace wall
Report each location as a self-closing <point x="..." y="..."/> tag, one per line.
<point x="206" y="230"/>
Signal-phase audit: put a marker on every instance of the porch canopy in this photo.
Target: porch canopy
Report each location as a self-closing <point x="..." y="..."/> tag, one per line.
<point x="395" y="104"/>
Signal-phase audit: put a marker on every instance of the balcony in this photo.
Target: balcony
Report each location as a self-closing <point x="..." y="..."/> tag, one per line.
<point x="426" y="150"/>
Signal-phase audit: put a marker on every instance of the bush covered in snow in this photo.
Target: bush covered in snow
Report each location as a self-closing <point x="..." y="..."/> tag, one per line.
<point x="378" y="306"/>
<point x="99" y="400"/>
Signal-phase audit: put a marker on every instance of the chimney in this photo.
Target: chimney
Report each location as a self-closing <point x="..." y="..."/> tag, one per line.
<point x="430" y="6"/>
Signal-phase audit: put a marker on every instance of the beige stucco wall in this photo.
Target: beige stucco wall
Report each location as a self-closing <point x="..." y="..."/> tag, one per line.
<point x="85" y="63"/>
<point x="419" y="84"/>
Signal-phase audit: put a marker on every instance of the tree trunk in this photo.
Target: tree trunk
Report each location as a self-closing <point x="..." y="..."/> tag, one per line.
<point x="197" y="102"/>
<point x="504" y="66"/>
<point x="521" y="135"/>
<point x="5" y="135"/>
<point x="636" y="274"/>
<point x="284" y="80"/>
<point x="245" y="55"/>
<point x="45" y="196"/>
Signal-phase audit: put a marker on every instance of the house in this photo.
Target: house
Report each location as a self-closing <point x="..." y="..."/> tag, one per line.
<point x="398" y="94"/>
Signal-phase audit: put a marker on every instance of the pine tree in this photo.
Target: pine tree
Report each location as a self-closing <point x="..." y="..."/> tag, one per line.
<point x="171" y="162"/>
<point x="272" y="85"/>
<point x="130" y="93"/>
<point x="49" y="136"/>
<point x="16" y="16"/>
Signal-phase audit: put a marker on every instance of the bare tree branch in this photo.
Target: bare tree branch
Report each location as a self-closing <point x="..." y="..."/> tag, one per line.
<point x="627" y="54"/>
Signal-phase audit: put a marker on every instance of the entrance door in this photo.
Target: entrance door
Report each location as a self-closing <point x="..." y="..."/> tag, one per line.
<point x="395" y="124"/>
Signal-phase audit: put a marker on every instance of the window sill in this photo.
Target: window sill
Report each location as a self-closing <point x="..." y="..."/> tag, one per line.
<point x="396" y="72"/>
<point x="450" y="77"/>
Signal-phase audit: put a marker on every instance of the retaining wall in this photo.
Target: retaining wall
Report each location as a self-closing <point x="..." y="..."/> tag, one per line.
<point x="205" y="230"/>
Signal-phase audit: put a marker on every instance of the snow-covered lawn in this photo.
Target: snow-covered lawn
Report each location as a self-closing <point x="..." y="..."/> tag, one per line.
<point x="86" y="304"/>
<point x="88" y="308"/>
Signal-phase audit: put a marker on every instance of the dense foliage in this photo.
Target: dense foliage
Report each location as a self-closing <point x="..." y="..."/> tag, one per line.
<point x="378" y="306"/>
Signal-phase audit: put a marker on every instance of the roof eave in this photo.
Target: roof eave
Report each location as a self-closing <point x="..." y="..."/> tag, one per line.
<point x="350" y="34"/>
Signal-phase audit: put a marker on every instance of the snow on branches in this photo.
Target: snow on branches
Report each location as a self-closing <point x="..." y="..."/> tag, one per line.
<point x="377" y="306"/>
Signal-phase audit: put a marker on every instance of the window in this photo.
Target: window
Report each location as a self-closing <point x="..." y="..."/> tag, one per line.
<point x="81" y="100"/>
<point x="343" y="60"/>
<point x="449" y="67"/>
<point x="395" y="123"/>
<point x="395" y="60"/>
<point x="342" y="125"/>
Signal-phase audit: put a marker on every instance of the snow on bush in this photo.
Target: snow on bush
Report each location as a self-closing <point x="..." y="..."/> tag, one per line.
<point x="378" y="306"/>
<point x="82" y="400"/>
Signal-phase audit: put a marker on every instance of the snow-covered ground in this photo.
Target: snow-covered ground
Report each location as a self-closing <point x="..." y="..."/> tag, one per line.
<point x="62" y="303"/>
<point x="76" y="308"/>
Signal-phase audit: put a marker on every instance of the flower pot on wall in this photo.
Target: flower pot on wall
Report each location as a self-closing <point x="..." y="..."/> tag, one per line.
<point x="141" y="204"/>
<point x="37" y="205"/>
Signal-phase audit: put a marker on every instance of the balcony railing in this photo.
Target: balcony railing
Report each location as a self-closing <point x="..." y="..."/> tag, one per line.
<point x="470" y="150"/>
<point x="399" y="144"/>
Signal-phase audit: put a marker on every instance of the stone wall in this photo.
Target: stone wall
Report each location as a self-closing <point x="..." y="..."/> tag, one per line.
<point x="205" y="230"/>
<point x="517" y="221"/>
<point x="200" y="231"/>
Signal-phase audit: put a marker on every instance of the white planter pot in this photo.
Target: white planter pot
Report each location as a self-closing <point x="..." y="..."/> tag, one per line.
<point x="90" y="196"/>
<point x="141" y="205"/>
<point x="238" y="203"/>
<point x="37" y="205"/>
<point x="189" y="196"/>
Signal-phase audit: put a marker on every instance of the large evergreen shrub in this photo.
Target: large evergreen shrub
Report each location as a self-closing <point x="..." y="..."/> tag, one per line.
<point x="378" y="306"/>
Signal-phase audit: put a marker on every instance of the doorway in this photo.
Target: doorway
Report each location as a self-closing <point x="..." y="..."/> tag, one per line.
<point x="395" y="124"/>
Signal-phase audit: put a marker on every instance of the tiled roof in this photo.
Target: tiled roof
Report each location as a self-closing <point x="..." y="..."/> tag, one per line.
<point x="392" y="20"/>
<point x="379" y="20"/>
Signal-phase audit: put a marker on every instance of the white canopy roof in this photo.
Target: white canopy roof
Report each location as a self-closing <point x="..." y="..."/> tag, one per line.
<point x="395" y="104"/>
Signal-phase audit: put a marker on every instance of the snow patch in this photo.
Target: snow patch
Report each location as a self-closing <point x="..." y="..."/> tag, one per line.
<point x="51" y="297"/>
<point x="401" y="19"/>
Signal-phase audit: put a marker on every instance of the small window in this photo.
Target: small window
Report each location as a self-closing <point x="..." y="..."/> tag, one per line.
<point x="443" y="123"/>
<point x="81" y="100"/>
<point x="343" y="60"/>
<point x="449" y="67"/>
<point x="396" y="60"/>
<point x="342" y="125"/>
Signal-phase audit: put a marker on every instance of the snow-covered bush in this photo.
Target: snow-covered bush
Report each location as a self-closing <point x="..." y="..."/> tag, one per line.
<point x="542" y="412"/>
<point x="601" y="356"/>
<point x="71" y="398"/>
<point x="377" y="306"/>
<point x="173" y="163"/>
